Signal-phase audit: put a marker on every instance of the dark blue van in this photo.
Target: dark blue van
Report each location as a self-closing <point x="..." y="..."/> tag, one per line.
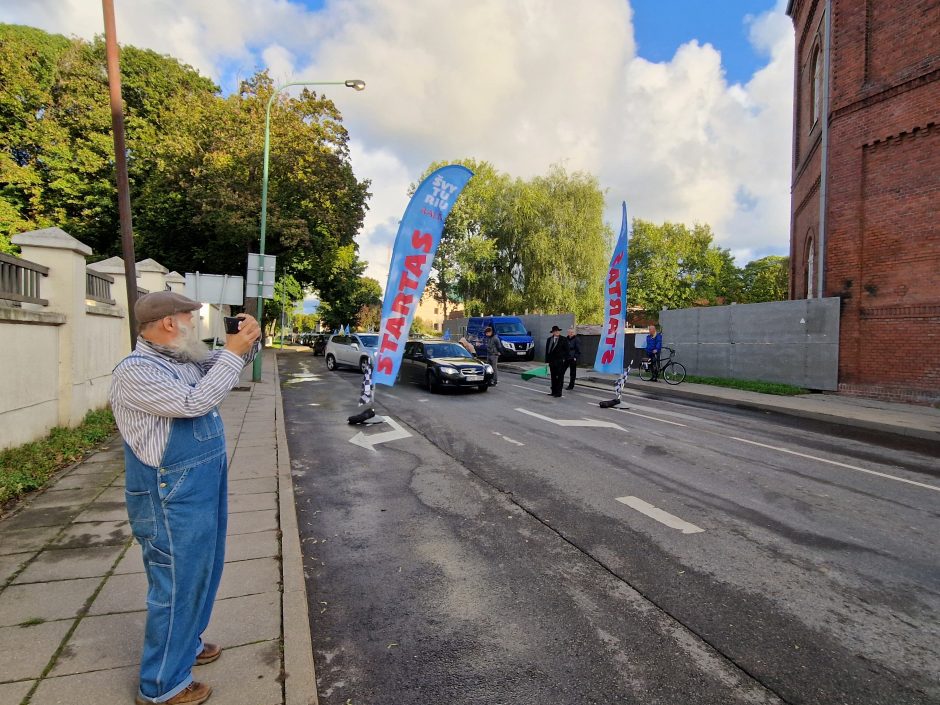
<point x="517" y="343"/>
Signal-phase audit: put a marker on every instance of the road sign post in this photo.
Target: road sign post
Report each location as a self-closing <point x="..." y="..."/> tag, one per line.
<point x="260" y="283"/>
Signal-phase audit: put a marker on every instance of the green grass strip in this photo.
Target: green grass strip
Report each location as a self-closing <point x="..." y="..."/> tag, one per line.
<point x="28" y="467"/>
<point x="786" y="390"/>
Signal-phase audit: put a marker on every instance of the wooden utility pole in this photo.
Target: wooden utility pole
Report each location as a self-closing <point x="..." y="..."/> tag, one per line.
<point x="120" y="164"/>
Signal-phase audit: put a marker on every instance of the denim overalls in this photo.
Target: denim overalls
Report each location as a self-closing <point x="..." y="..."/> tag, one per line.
<point x="178" y="514"/>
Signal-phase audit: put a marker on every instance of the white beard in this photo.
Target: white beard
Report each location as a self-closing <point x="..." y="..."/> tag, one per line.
<point x="187" y="346"/>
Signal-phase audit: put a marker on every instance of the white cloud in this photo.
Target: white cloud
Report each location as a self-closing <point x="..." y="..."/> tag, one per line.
<point x="522" y="84"/>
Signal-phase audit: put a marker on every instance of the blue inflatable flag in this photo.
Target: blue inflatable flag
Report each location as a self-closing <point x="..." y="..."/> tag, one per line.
<point x="610" y="348"/>
<point x="419" y="235"/>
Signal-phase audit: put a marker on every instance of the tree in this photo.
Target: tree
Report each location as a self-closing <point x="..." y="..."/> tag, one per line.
<point x="194" y="159"/>
<point x="369" y="317"/>
<point x="513" y="245"/>
<point x="419" y="326"/>
<point x="765" y="279"/>
<point x="348" y="297"/>
<point x="213" y="161"/>
<point x="306" y="322"/>
<point x="673" y="266"/>
<point x="287" y="294"/>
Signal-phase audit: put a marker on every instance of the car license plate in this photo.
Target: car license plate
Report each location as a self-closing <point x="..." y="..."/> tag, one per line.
<point x="474" y="378"/>
<point x="521" y="352"/>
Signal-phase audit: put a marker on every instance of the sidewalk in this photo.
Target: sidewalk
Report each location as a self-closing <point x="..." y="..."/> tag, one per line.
<point x="72" y="587"/>
<point x="886" y="417"/>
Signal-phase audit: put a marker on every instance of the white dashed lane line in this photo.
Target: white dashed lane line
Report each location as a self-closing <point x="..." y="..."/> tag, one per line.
<point x="508" y="439"/>
<point x="926" y="486"/>
<point x="663" y="517"/>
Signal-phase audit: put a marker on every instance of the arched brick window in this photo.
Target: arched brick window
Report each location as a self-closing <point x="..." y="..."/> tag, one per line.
<point x="809" y="265"/>
<point x="816" y="85"/>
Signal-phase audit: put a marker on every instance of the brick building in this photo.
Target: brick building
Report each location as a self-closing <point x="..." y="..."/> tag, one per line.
<point x="866" y="155"/>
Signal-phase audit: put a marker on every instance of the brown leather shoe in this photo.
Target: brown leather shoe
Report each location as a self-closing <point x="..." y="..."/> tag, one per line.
<point x="209" y="653"/>
<point x="194" y="694"/>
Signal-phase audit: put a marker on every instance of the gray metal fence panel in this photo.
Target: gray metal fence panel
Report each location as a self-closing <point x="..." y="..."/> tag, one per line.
<point x="792" y="342"/>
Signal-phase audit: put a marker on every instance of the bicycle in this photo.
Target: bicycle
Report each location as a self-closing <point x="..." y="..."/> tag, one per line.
<point x="671" y="371"/>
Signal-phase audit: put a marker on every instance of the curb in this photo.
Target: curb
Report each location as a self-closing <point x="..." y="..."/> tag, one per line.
<point x="300" y="682"/>
<point x="897" y="429"/>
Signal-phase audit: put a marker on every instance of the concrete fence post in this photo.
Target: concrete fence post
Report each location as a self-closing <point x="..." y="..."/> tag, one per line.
<point x="65" y="290"/>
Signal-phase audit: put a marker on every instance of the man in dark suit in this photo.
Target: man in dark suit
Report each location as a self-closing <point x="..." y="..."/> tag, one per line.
<point x="556" y="355"/>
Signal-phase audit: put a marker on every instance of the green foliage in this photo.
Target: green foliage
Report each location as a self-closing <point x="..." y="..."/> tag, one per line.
<point x="288" y="293"/>
<point x="511" y="245"/>
<point x="673" y="266"/>
<point x="350" y="295"/>
<point x="369" y="317"/>
<point x="419" y="326"/>
<point x="194" y="160"/>
<point x="749" y="385"/>
<point x="306" y="322"/>
<point x="765" y="279"/>
<point x="28" y="467"/>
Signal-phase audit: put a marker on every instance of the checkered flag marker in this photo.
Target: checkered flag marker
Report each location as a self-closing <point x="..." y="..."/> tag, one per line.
<point x="368" y="388"/>
<point x="366" y="397"/>
<point x="618" y="390"/>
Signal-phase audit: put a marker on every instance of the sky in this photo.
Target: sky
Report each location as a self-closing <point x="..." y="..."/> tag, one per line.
<point x="681" y="108"/>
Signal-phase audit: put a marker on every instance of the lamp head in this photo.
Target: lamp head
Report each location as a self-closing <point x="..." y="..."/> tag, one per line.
<point x="356" y="83"/>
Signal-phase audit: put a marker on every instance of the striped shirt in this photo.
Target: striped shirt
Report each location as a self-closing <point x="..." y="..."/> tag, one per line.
<point x="150" y="388"/>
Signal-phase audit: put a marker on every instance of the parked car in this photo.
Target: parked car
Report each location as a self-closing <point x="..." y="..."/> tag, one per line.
<point x="319" y="344"/>
<point x="352" y="350"/>
<point x="438" y="363"/>
<point x="517" y="341"/>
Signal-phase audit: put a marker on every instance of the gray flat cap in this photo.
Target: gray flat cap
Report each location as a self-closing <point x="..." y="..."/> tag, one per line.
<point x="153" y="307"/>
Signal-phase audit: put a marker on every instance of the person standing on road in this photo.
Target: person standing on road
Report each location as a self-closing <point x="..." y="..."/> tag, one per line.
<point x="574" y="356"/>
<point x="165" y="397"/>
<point x="654" y="346"/>
<point x="494" y="347"/>
<point x="556" y="355"/>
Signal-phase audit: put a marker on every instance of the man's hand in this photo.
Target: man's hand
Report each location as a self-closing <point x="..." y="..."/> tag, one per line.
<point x="241" y="342"/>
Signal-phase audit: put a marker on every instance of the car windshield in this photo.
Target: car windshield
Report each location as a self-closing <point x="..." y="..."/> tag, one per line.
<point x="432" y="350"/>
<point x="510" y="328"/>
<point x="370" y="341"/>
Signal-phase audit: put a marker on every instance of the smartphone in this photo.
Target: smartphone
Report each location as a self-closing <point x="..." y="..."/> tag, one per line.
<point x="231" y="324"/>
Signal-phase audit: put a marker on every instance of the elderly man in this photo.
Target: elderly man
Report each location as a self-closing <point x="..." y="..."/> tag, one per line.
<point x="574" y="356"/>
<point x="165" y="397"/>
<point x="556" y="355"/>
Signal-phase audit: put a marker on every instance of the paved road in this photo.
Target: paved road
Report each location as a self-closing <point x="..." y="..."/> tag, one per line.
<point x="508" y="547"/>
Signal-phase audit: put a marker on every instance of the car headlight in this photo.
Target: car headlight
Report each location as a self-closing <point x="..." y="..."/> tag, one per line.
<point x="449" y="370"/>
<point x="488" y="369"/>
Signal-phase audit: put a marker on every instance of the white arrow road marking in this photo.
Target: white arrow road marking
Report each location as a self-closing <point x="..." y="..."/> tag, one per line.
<point x="508" y="439"/>
<point x="841" y="465"/>
<point x="364" y="441"/>
<point x="659" y="515"/>
<point x="644" y="416"/>
<point x="577" y="423"/>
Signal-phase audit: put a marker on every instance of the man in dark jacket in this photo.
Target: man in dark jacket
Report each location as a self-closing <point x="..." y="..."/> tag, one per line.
<point x="556" y="355"/>
<point x="574" y="356"/>
<point x="494" y="348"/>
<point x="654" y="346"/>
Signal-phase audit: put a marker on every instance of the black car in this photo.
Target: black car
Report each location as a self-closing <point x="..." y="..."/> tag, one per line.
<point x="319" y="344"/>
<point x="441" y="363"/>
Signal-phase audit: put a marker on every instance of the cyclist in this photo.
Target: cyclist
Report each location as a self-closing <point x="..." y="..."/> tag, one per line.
<point x="654" y="346"/>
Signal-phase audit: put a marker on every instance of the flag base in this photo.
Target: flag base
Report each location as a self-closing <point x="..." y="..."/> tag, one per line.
<point x="361" y="417"/>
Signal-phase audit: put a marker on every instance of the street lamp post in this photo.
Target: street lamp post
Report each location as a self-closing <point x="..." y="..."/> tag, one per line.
<point x="355" y="84"/>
